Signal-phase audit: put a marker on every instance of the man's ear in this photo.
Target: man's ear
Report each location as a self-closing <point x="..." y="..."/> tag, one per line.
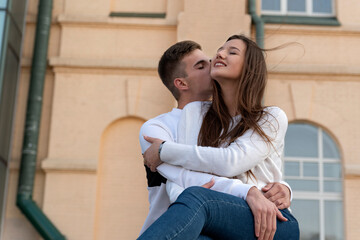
<point x="181" y="84"/>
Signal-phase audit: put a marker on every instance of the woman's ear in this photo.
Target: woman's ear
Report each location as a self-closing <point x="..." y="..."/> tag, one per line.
<point x="181" y="84"/>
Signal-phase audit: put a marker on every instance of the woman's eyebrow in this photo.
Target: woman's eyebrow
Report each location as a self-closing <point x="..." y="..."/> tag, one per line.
<point x="235" y="48"/>
<point x="220" y="48"/>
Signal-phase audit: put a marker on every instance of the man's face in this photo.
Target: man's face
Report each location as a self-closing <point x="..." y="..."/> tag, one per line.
<point x="198" y="75"/>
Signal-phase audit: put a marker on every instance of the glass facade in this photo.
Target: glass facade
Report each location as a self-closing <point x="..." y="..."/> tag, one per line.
<point x="312" y="167"/>
<point x="12" y="15"/>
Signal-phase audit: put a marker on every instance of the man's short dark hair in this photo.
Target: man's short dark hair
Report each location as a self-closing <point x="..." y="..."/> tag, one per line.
<point x="170" y="66"/>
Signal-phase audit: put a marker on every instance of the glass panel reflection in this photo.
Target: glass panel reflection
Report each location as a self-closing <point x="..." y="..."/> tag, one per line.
<point x="322" y="6"/>
<point x="301" y="140"/>
<point x="332" y="186"/>
<point x="303" y="185"/>
<point x="292" y="169"/>
<point x="332" y="170"/>
<point x="330" y="149"/>
<point x="296" y="5"/>
<point x="334" y="228"/>
<point x="3" y="3"/>
<point x="307" y="214"/>
<point x="311" y="169"/>
<point x="270" y="5"/>
<point x="2" y="25"/>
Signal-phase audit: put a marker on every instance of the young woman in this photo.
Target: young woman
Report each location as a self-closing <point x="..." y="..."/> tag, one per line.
<point x="237" y="137"/>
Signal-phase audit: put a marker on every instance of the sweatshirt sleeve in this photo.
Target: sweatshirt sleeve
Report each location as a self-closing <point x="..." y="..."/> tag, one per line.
<point x="173" y="190"/>
<point x="183" y="178"/>
<point x="240" y="156"/>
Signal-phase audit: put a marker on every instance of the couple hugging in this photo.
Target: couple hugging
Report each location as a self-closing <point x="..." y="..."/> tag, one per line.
<point x="216" y="163"/>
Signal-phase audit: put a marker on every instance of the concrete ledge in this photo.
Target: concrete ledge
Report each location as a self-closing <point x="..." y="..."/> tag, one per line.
<point x="344" y="30"/>
<point x="66" y="165"/>
<point x="98" y="20"/>
<point x="301" y="20"/>
<point x="314" y="69"/>
<point x="352" y="170"/>
<point x="296" y="69"/>
<point x="103" y="63"/>
<point x="107" y="21"/>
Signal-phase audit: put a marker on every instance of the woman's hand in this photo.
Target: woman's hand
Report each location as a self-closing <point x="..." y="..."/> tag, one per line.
<point x="151" y="155"/>
<point x="209" y="184"/>
<point x="265" y="214"/>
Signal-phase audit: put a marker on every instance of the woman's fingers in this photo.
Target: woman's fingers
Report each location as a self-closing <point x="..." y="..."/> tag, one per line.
<point x="273" y="227"/>
<point x="280" y="216"/>
<point x="264" y="226"/>
<point x="209" y="184"/>
<point x="257" y="221"/>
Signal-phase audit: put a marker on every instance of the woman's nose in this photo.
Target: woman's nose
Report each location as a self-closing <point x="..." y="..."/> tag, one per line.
<point x="220" y="54"/>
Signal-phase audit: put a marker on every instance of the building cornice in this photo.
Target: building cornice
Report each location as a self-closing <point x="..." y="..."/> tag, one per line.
<point x="344" y="30"/>
<point x="101" y="21"/>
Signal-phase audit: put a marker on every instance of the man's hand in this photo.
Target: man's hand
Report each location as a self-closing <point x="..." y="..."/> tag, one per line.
<point x="277" y="193"/>
<point x="151" y="155"/>
<point x="265" y="214"/>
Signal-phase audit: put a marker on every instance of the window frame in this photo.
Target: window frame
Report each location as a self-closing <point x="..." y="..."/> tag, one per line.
<point x="321" y="196"/>
<point x="308" y="11"/>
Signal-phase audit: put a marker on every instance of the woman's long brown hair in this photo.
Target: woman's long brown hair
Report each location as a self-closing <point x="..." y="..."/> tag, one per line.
<point x="216" y="129"/>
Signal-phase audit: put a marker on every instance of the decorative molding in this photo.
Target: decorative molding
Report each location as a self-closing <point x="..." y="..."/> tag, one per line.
<point x="343" y="31"/>
<point x="69" y="165"/>
<point x="352" y="169"/>
<point x="93" y="21"/>
<point x="115" y="21"/>
<point x="314" y="69"/>
<point x="103" y="63"/>
<point x="301" y="20"/>
<point x="137" y="15"/>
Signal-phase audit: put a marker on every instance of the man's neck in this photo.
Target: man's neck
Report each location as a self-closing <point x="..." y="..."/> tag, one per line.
<point x="182" y="103"/>
<point x="184" y="100"/>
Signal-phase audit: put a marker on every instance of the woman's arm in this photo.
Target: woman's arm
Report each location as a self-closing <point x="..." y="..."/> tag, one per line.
<point x="183" y="178"/>
<point x="240" y="156"/>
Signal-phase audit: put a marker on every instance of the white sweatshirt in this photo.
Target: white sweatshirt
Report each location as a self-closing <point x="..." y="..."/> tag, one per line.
<point x="248" y="152"/>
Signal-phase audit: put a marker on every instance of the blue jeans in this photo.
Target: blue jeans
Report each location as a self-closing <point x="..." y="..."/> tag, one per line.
<point x="213" y="215"/>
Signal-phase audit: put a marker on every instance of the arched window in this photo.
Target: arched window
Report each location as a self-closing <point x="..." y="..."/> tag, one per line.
<point x="312" y="167"/>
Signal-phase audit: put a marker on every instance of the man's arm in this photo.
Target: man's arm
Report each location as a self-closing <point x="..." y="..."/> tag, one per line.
<point x="278" y="193"/>
<point x="154" y="129"/>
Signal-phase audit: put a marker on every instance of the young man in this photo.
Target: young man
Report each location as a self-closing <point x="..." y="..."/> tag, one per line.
<point x="184" y="70"/>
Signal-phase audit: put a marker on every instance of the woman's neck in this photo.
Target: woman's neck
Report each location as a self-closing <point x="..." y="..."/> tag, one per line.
<point x="228" y="90"/>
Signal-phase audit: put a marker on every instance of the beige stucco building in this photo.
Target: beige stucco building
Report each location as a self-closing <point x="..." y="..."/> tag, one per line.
<point x="101" y="85"/>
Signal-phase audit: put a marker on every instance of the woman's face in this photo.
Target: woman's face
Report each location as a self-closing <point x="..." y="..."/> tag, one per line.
<point x="228" y="61"/>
